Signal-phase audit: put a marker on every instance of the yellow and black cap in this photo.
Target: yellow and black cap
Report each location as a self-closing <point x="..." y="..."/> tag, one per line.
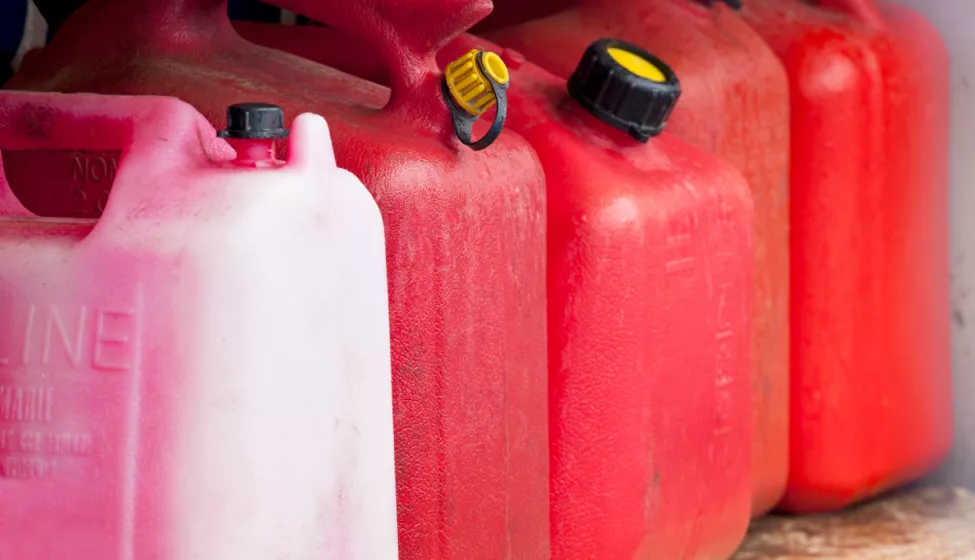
<point x="625" y="87"/>
<point x="471" y="85"/>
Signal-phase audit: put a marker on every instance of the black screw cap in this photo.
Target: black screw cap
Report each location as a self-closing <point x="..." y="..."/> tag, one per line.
<point x="618" y="96"/>
<point x="254" y="121"/>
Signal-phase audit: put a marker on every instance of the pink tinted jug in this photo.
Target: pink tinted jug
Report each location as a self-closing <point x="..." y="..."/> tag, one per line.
<point x="203" y="372"/>
<point x="464" y="236"/>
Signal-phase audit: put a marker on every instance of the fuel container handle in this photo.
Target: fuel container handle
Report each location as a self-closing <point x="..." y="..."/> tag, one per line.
<point x="146" y="128"/>
<point x="407" y="35"/>
<point x="59" y="121"/>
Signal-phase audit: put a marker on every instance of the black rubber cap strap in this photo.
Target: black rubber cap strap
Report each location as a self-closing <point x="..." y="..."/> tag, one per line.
<point x="464" y="121"/>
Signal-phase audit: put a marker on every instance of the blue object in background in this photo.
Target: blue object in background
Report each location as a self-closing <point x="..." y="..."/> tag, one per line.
<point x="252" y="10"/>
<point x="14" y="23"/>
<point x="13" y="17"/>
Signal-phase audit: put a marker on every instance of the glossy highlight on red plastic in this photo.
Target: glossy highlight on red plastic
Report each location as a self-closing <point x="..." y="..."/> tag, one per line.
<point x="734" y="104"/>
<point x="464" y="236"/>
<point x="871" y="396"/>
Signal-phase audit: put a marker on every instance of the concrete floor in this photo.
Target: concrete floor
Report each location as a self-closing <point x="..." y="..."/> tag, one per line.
<point x="933" y="523"/>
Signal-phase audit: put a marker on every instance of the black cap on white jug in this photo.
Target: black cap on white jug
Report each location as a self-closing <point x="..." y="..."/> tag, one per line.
<point x="254" y="121"/>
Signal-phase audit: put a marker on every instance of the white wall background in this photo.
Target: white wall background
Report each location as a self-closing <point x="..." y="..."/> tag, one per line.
<point x="955" y="19"/>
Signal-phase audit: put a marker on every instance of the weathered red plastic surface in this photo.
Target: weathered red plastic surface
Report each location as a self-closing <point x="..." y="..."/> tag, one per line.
<point x="649" y="256"/>
<point x="871" y="404"/>
<point x="638" y="342"/>
<point x="325" y="45"/>
<point x="465" y="240"/>
<point x="735" y="104"/>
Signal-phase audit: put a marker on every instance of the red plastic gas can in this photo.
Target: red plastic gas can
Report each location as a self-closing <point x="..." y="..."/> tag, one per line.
<point x="735" y="104"/>
<point x="464" y="234"/>
<point x="649" y="263"/>
<point x="637" y="233"/>
<point x="324" y="45"/>
<point x="204" y="371"/>
<point x="871" y="403"/>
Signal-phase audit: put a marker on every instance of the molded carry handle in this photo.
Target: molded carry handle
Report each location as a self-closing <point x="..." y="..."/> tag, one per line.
<point x="162" y="129"/>
<point x="407" y="34"/>
<point x="864" y="10"/>
<point x="81" y="121"/>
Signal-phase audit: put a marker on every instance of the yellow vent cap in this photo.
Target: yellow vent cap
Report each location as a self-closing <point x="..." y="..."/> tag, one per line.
<point x="470" y="88"/>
